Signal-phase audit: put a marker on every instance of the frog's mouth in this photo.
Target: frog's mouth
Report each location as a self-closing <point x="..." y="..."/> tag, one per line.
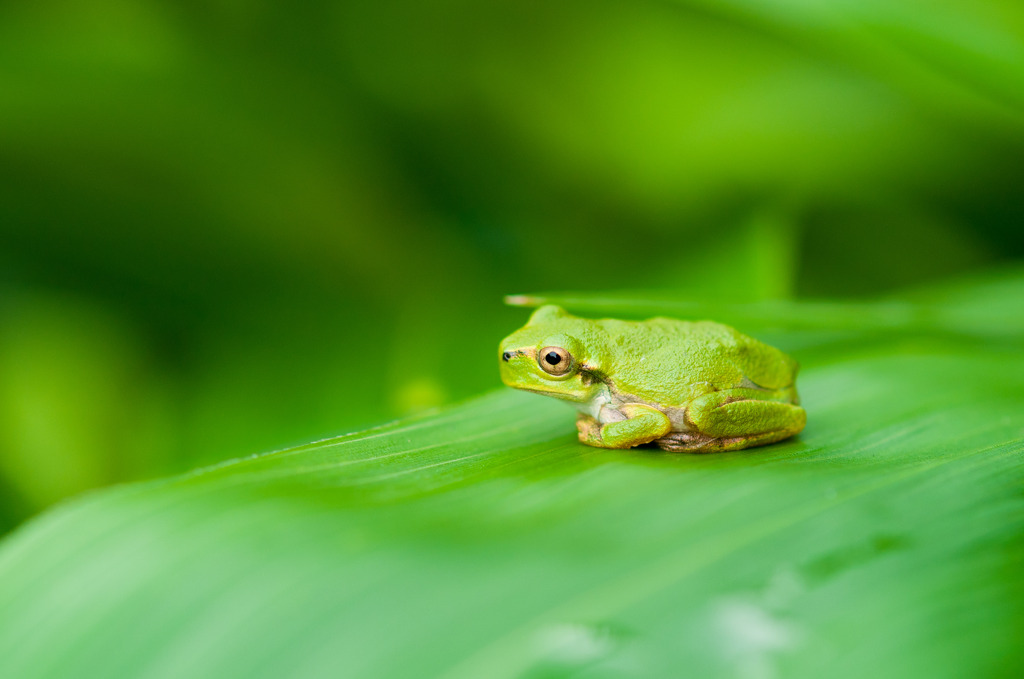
<point x="561" y="395"/>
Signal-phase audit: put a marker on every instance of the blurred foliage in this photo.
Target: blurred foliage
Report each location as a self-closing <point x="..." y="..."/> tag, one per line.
<point x="991" y="309"/>
<point x="226" y="227"/>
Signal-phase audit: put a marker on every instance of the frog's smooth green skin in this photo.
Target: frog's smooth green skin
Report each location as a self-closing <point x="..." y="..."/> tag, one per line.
<point x="687" y="386"/>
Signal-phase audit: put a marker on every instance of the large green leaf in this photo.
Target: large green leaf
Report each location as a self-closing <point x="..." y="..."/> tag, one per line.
<point x="484" y="541"/>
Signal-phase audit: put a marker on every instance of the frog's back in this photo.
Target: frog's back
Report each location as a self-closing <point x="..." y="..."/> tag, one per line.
<point x="665" y="358"/>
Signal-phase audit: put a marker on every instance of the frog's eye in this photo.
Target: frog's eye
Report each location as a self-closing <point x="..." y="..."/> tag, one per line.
<point x="554" y="360"/>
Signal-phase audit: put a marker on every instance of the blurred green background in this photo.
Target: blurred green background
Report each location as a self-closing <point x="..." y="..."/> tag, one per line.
<point x="227" y="227"/>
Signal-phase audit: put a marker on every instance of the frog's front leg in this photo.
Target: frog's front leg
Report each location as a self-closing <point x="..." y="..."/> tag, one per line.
<point x="643" y="424"/>
<point x="589" y="429"/>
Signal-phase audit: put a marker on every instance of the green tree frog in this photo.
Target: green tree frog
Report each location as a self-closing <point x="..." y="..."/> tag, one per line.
<point x="686" y="386"/>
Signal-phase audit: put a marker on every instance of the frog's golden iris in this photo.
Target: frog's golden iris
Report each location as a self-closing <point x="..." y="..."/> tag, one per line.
<point x="555" y="360"/>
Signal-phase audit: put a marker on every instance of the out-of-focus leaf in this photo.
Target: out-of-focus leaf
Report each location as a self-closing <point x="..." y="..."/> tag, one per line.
<point x="484" y="541"/>
<point x="989" y="306"/>
<point x="79" y="401"/>
<point x="969" y="51"/>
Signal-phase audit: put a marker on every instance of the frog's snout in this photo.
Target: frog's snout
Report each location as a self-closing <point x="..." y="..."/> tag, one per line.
<point x="509" y="354"/>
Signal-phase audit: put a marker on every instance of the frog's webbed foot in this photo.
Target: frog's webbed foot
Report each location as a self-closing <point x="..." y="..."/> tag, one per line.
<point x="691" y="442"/>
<point x="686" y="442"/>
<point x="643" y="424"/>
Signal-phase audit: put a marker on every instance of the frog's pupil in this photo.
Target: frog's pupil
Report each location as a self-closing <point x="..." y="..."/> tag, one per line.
<point x="553" y="358"/>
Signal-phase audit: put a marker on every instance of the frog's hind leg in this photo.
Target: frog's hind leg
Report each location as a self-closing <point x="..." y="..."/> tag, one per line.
<point x="720" y="424"/>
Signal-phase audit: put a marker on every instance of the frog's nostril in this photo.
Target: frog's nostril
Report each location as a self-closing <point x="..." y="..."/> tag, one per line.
<point x="505" y="356"/>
